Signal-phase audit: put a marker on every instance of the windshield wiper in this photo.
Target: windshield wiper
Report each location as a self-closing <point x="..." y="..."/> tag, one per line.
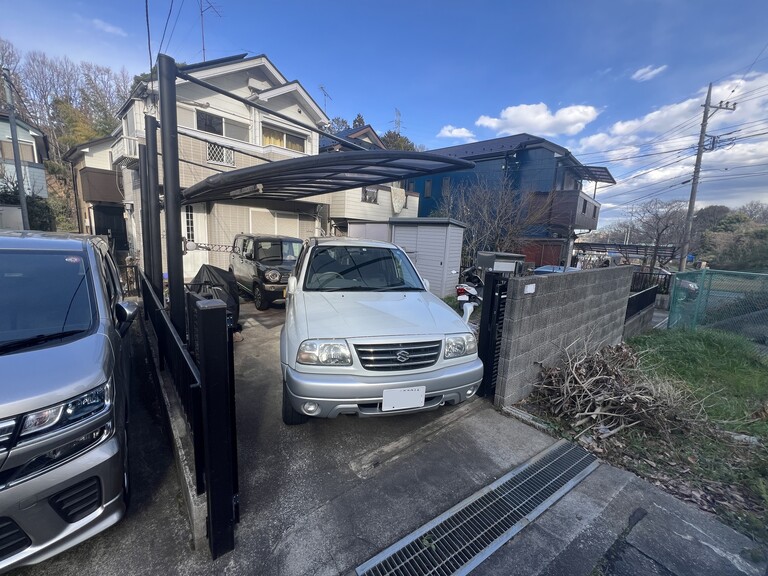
<point x="398" y="288"/>
<point x="34" y="340"/>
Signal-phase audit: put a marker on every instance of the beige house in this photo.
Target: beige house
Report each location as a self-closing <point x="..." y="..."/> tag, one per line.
<point x="218" y="134"/>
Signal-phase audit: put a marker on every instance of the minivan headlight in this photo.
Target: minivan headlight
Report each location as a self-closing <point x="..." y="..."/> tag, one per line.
<point x="69" y="412"/>
<point x="324" y="353"/>
<point x="458" y="345"/>
<point x="272" y="276"/>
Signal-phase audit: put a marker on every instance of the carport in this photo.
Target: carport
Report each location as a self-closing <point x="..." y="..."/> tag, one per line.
<point x="194" y="335"/>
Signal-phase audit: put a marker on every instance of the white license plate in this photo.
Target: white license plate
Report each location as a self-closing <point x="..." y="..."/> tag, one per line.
<point x="463" y="298"/>
<point x="402" y="398"/>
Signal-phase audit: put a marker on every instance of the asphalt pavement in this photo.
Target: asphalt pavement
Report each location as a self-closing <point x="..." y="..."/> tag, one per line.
<point x="324" y="497"/>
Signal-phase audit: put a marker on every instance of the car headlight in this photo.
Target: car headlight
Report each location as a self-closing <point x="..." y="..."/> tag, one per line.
<point x="324" y="353"/>
<point x="272" y="276"/>
<point x="460" y="345"/>
<point x="69" y="412"/>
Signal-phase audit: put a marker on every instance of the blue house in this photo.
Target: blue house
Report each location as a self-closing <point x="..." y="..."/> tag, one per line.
<point x="526" y="164"/>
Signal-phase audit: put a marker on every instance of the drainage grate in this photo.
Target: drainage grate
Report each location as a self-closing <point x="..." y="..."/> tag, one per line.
<point x="471" y="531"/>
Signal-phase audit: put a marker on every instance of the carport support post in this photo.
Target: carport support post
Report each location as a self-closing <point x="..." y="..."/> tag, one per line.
<point x="170" y="140"/>
<point x="146" y="241"/>
<point x="153" y="205"/>
<point x="219" y="444"/>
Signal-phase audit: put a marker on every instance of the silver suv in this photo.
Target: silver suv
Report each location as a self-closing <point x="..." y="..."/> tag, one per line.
<point x="65" y="364"/>
<point x="363" y="335"/>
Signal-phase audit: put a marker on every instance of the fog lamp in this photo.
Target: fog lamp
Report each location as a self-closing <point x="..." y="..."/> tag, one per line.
<point x="311" y="408"/>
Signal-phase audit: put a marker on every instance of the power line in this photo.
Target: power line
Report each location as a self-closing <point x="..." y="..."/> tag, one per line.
<point x="165" y="28"/>
<point x="149" y="41"/>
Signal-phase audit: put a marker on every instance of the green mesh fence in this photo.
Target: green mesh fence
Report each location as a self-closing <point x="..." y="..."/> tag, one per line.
<point x="731" y="301"/>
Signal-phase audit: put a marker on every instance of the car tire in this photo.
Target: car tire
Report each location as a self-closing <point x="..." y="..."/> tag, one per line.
<point x="290" y="416"/>
<point x="260" y="299"/>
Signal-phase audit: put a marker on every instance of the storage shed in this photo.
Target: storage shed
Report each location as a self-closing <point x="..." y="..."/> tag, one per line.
<point x="434" y="246"/>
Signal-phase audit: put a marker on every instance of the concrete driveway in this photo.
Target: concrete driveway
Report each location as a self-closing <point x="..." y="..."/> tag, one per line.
<point x="324" y="497"/>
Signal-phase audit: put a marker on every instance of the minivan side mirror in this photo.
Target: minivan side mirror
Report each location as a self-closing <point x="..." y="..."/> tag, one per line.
<point x="126" y="312"/>
<point x="426" y="284"/>
<point x="292" y="283"/>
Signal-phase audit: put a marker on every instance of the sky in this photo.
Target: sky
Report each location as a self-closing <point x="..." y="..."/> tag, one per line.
<point x="620" y="83"/>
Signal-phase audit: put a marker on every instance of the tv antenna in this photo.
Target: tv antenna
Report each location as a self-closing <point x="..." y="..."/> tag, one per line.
<point x="326" y="97"/>
<point x="203" y="10"/>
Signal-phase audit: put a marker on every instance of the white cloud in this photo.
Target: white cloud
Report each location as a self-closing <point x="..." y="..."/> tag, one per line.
<point x="648" y="73"/>
<point x="449" y="131"/>
<point x="108" y="28"/>
<point x="539" y="120"/>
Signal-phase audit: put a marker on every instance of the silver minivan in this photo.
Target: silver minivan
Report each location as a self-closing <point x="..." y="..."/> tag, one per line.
<point x="64" y="371"/>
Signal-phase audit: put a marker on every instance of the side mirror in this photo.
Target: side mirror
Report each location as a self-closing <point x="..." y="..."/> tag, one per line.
<point x="126" y="312"/>
<point x="426" y="284"/>
<point x="292" y="283"/>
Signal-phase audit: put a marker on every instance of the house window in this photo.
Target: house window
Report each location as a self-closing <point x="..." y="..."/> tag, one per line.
<point x="273" y="137"/>
<point x="584" y="207"/>
<point x="594" y="211"/>
<point x="370" y="195"/>
<point x="27" y="151"/>
<point x="189" y="214"/>
<point x="210" y="123"/>
<point x="218" y="154"/>
<point x="428" y="188"/>
<point x="222" y="126"/>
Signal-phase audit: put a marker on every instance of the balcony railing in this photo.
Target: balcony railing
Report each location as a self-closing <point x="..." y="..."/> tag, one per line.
<point x="125" y="148"/>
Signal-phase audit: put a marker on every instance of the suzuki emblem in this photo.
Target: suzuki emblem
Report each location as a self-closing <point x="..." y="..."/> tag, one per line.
<point x="403" y="356"/>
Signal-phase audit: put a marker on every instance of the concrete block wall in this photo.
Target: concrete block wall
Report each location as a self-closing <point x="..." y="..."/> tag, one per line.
<point x="580" y="309"/>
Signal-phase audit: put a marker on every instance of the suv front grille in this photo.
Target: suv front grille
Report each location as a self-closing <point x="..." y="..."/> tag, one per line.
<point x="284" y="277"/>
<point x="76" y="502"/>
<point x="12" y="538"/>
<point x="392" y="357"/>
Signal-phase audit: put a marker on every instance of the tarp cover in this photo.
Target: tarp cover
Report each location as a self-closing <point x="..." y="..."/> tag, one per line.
<point x="213" y="282"/>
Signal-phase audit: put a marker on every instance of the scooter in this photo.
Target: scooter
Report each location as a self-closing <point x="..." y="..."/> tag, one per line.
<point x="469" y="291"/>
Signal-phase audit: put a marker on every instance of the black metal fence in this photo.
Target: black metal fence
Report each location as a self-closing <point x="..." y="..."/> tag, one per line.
<point x="644" y="280"/>
<point x="639" y="301"/>
<point x="202" y="375"/>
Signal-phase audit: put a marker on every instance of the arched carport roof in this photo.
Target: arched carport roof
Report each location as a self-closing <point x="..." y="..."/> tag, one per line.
<point x="310" y="175"/>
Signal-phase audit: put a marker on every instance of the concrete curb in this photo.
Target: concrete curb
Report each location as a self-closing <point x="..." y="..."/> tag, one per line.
<point x="196" y="505"/>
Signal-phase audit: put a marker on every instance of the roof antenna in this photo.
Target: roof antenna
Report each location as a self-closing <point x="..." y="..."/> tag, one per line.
<point x="326" y="97"/>
<point x="202" y="20"/>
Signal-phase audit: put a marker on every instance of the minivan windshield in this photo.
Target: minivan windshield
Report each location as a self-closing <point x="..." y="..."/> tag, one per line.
<point x="43" y="295"/>
<point x="364" y="268"/>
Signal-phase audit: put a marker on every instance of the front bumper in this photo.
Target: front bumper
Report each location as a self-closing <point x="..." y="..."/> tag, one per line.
<point x="28" y="504"/>
<point x="362" y="395"/>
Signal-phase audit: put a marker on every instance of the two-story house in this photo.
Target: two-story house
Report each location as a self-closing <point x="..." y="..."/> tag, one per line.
<point x="218" y="134"/>
<point x="534" y="169"/>
<point x="33" y="150"/>
<point x="98" y="191"/>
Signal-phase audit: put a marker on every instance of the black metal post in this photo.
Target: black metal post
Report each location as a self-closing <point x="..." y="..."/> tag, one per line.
<point x="491" y="325"/>
<point x="212" y="332"/>
<point x="146" y="241"/>
<point x="170" y="140"/>
<point x="155" y="273"/>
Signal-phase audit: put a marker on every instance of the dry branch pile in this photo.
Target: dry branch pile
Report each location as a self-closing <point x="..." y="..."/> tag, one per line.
<point x="606" y="392"/>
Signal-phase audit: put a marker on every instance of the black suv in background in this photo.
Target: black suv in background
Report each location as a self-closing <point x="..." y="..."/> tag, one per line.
<point x="261" y="265"/>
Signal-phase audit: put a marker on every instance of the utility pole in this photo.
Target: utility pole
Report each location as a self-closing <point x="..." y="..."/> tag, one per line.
<point x="697" y="168"/>
<point x="16" y="152"/>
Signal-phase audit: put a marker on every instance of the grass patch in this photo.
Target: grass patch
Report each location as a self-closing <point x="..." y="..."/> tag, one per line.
<point x="714" y="456"/>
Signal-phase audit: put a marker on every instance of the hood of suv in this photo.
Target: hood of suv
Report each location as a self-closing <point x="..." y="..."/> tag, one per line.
<point x="47" y="375"/>
<point x="366" y="314"/>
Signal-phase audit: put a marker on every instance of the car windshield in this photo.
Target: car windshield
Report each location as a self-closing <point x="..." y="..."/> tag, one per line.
<point x="363" y="268"/>
<point x="43" y="295"/>
<point x="278" y="251"/>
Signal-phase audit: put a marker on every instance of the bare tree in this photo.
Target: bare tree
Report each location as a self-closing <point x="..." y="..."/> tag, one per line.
<point x="660" y="223"/>
<point x="498" y="217"/>
<point x="756" y="210"/>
